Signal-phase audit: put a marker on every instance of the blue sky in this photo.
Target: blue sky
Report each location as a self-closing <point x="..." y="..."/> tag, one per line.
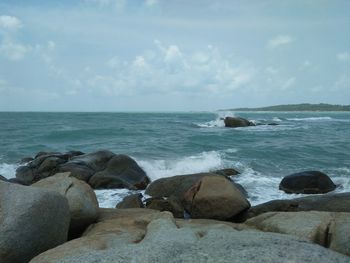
<point x="159" y="55"/>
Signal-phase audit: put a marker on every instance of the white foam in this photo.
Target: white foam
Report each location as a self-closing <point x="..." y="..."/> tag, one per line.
<point x="311" y="119"/>
<point x="218" y="122"/>
<point x="202" y="162"/>
<point x="109" y="198"/>
<point x="276" y="119"/>
<point x="8" y="170"/>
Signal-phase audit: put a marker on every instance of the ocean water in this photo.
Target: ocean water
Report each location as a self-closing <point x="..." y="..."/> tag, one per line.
<point x="167" y="144"/>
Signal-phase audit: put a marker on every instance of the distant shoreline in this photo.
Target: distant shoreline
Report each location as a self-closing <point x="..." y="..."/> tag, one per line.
<point x="305" y="107"/>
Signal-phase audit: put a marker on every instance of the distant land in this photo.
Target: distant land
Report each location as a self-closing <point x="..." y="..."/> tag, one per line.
<point x="299" y="107"/>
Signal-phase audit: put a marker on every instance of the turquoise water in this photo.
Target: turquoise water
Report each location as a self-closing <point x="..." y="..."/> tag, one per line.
<point x="167" y="144"/>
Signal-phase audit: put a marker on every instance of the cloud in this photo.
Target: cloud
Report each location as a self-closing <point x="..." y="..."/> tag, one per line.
<point x="168" y="69"/>
<point x="280" y="40"/>
<point x="10" y="22"/>
<point x="344" y="56"/>
<point x="288" y="83"/>
<point x="13" y="51"/>
<point x="151" y="2"/>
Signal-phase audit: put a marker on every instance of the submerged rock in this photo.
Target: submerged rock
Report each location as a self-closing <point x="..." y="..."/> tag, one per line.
<point x="235" y="122"/>
<point x="308" y="182"/>
<point x="32" y="220"/>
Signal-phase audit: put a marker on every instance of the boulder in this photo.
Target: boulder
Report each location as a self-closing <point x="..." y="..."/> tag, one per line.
<point x="25" y="174"/>
<point x="83" y="204"/>
<point x="32" y="220"/>
<point x="226" y="172"/>
<point x="157" y="237"/>
<point x="97" y="161"/>
<point x="2" y="178"/>
<point x="328" y="202"/>
<point x="235" y="122"/>
<point x="308" y="182"/>
<point x="174" y="186"/>
<point x="215" y="197"/>
<point x="328" y="229"/>
<point x="121" y="172"/>
<point x="131" y="201"/>
<point x="77" y="170"/>
<point x="171" y="204"/>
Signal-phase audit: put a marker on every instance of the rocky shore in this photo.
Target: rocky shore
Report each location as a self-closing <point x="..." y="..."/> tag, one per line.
<point x="50" y="213"/>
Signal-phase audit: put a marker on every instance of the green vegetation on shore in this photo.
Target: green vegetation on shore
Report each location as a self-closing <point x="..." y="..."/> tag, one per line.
<point x="299" y="107"/>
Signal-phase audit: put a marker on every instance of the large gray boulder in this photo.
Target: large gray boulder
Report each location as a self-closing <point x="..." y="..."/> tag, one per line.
<point x="328" y="202"/>
<point x="235" y="122"/>
<point x="328" y="229"/>
<point x="83" y="204"/>
<point x="215" y="197"/>
<point x="174" y="186"/>
<point x="158" y="238"/>
<point x="32" y="220"/>
<point x="121" y="172"/>
<point x="308" y="182"/>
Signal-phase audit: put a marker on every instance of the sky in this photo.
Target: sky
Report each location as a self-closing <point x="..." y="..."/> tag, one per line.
<point x="162" y="55"/>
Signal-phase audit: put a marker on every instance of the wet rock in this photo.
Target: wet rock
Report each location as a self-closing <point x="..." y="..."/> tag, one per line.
<point x="121" y="172"/>
<point x="235" y="122"/>
<point x="226" y="172"/>
<point x="308" y="182"/>
<point x="131" y="201"/>
<point x="171" y="204"/>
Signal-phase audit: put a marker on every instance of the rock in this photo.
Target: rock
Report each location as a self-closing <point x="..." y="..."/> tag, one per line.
<point x="83" y="204"/>
<point x="97" y="161"/>
<point x="235" y="122"/>
<point x="174" y="186"/>
<point x="226" y="172"/>
<point x="26" y="160"/>
<point x="214" y="197"/>
<point x="121" y="172"/>
<point x="49" y="166"/>
<point x="158" y="238"/>
<point x="77" y="170"/>
<point x="25" y="174"/>
<point x="17" y="181"/>
<point x="329" y="202"/>
<point x="309" y="182"/>
<point x="32" y="220"/>
<point x="328" y="229"/>
<point x="171" y="204"/>
<point x="2" y="178"/>
<point x="131" y="201"/>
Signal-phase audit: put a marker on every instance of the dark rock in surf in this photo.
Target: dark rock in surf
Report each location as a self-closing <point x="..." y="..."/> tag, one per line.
<point x="226" y="172"/>
<point x="2" y="178"/>
<point x="235" y="122"/>
<point x="121" y="172"/>
<point x="131" y="201"/>
<point x="171" y="204"/>
<point x="308" y="182"/>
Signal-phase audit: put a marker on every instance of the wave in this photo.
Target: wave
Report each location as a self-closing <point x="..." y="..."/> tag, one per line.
<point x="218" y="122"/>
<point x="203" y="162"/>
<point x="8" y="170"/>
<point x="311" y="119"/>
<point x="276" y="119"/>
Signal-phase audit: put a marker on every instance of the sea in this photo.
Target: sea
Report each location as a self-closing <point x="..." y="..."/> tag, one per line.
<point x="175" y="143"/>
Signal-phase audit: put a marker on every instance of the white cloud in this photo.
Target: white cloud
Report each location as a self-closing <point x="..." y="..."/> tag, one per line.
<point x="10" y="22"/>
<point x="280" y="40"/>
<point x="13" y="51"/>
<point x="288" y="83"/>
<point x="344" y="56"/>
<point x="151" y="2"/>
<point x="168" y="69"/>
